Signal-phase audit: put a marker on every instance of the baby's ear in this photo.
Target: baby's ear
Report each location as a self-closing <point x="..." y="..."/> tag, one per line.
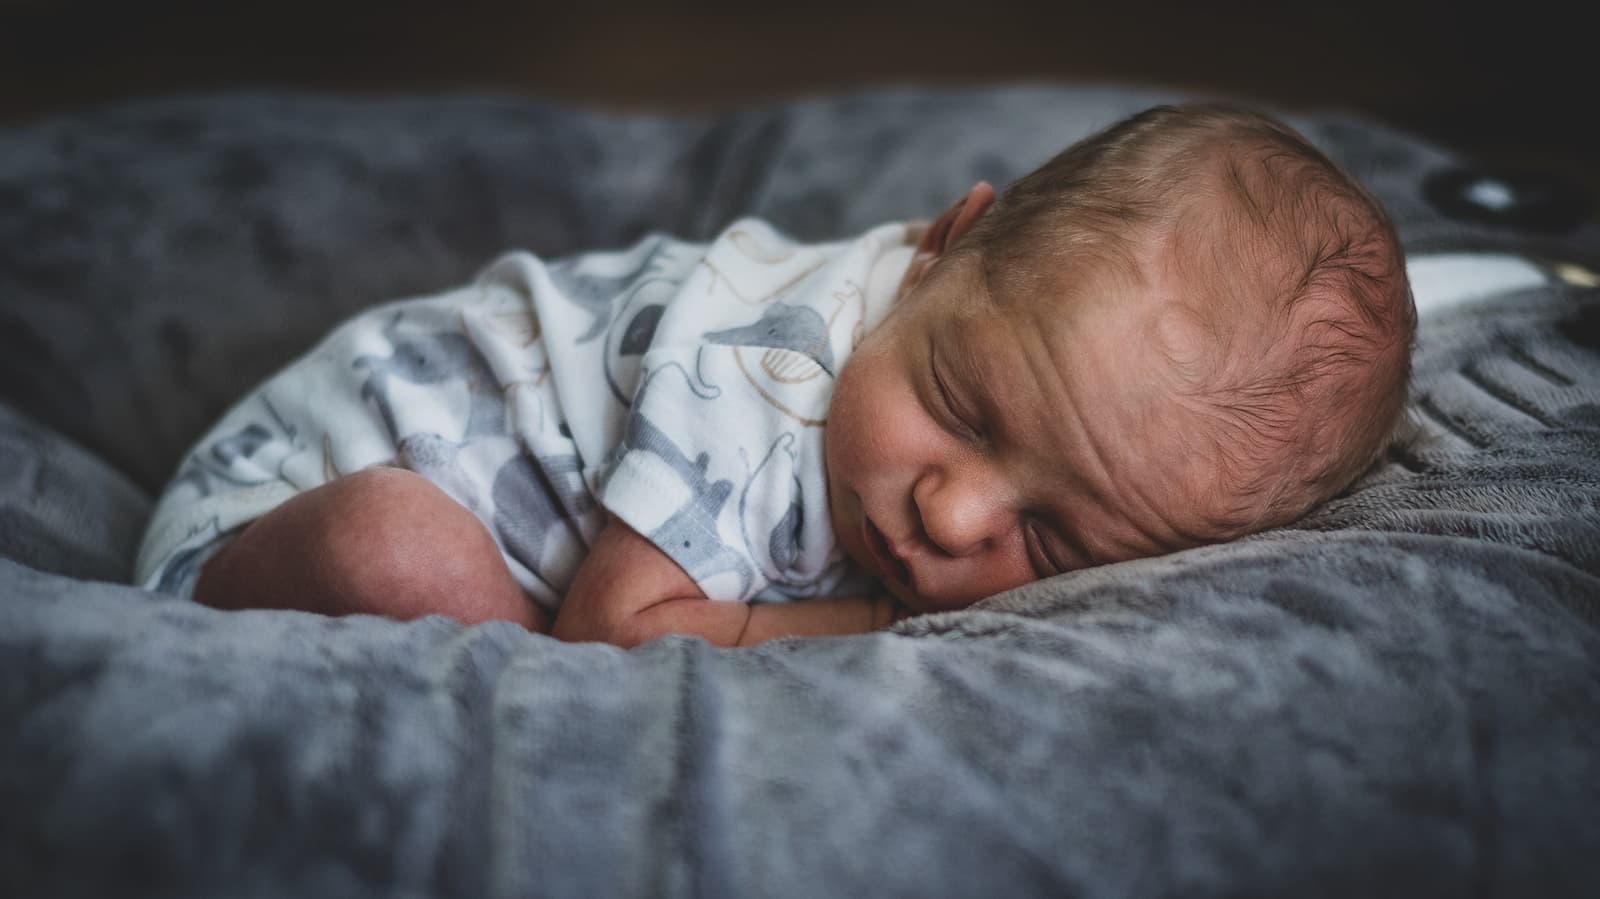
<point x="954" y="222"/>
<point x="946" y="230"/>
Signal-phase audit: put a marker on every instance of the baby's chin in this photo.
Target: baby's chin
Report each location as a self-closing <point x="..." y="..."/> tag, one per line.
<point x="915" y="601"/>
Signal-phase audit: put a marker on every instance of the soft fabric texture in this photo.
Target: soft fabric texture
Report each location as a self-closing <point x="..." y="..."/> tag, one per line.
<point x="1399" y="695"/>
<point x="679" y="387"/>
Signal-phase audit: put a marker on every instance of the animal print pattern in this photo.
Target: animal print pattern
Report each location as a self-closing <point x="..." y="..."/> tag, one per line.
<point x="681" y="387"/>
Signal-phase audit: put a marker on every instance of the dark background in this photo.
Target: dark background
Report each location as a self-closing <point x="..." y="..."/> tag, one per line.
<point x="1513" y="85"/>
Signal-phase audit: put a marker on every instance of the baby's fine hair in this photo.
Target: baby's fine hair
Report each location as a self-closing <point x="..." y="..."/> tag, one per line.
<point x="1263" y="230"/>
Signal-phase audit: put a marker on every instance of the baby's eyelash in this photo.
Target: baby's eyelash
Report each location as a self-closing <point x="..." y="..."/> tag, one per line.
<point x="1051" y="566"/>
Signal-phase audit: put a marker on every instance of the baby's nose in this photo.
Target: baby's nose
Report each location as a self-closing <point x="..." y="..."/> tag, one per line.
<point x="961" y="514"/>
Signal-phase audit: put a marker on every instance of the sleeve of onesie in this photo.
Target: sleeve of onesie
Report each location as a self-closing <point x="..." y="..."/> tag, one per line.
<point x="721" y="458"/>
<point x="721" y="466"/>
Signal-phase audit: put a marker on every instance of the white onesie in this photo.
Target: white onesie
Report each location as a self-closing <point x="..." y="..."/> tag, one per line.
<point x="681" y="387"/>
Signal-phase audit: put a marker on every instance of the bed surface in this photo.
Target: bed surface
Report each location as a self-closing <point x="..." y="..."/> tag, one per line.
<point x="1399" y="695"/>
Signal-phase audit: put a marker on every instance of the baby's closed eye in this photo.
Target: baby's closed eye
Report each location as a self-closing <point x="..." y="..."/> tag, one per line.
<point x="1045" y="559"/>
<point x="957" y="415"/>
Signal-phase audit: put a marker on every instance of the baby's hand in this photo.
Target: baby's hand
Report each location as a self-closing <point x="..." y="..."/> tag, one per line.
<point x="627" y="592"/>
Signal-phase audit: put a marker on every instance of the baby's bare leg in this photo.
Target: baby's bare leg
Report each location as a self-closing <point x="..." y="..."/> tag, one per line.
<point x="384" y="541"/>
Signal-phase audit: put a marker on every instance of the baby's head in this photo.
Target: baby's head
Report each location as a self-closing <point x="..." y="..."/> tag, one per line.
<point x="1189" y="327"/>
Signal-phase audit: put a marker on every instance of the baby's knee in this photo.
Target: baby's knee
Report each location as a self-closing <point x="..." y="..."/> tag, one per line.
<point x="394" y="544"/>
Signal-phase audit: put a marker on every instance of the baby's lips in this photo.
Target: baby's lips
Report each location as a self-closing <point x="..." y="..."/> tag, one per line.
<point x="889" y="566"/>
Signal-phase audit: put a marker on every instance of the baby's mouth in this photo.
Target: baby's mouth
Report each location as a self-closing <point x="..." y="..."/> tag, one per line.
<point x="889" y="567"/>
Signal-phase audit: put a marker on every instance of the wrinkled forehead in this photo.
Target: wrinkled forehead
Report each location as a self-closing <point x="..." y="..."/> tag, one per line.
<point x="1086" y="320"/>
<point x="1042" y="286"/>
<point x="1134" y="338"/>
<point x="1119" y="429"/>
<point x="1083" y="411"/>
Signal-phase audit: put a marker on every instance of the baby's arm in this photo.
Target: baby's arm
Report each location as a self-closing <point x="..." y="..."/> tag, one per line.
<point x="628" y="592"/>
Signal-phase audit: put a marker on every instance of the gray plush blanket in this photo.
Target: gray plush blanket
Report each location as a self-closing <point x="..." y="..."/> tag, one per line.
<point x="1398" y="696"/>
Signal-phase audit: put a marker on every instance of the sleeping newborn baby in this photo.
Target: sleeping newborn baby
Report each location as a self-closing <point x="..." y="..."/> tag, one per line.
<point x="1186" y="328"/>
